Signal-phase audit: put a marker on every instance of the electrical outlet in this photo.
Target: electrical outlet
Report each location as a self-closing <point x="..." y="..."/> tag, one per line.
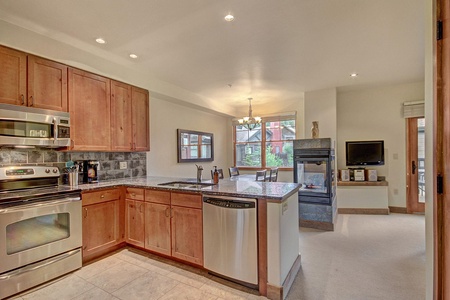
<point x="123" y="165"/>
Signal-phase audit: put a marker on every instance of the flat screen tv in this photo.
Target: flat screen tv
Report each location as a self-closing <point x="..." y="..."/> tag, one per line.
<point x="364" y="153"/>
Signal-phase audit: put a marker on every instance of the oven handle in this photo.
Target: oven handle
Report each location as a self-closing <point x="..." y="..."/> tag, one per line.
<point x="34" y="267"/>
<point x="39" y="204"/>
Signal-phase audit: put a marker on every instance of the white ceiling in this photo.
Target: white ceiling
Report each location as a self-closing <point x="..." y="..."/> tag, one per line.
<point x="274" y="50"/>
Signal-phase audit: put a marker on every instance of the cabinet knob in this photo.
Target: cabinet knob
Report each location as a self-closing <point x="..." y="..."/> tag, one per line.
<point x="102" y="196"/>
<point x="31" y="101"/>
<point x="22" y="99"/>
<point x="133" y="194"/>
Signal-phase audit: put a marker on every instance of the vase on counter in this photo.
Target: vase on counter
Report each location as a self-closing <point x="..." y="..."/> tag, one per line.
<point x="315" y="130"/>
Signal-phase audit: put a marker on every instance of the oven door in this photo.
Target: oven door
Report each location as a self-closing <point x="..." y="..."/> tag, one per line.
<point x="33" y="232"/>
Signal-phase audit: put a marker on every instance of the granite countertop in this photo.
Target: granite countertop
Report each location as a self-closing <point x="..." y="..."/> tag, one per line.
<point x="226" y="187"/>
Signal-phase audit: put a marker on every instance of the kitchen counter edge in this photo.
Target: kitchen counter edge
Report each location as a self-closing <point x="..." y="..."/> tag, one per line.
<point x="271" y="191"/>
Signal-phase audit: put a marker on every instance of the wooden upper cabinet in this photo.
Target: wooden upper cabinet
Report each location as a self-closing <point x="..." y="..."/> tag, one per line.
<point x="121" y="124"/>
<point x="89" y="108"/>
<point x="129" y="118"/>
<point x="47" y="84"/>
<point x="140" y="119"/>
<point x="13" y="76"/>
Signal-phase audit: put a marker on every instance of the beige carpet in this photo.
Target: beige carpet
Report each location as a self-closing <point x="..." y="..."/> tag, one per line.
<point x="366" y="257"/>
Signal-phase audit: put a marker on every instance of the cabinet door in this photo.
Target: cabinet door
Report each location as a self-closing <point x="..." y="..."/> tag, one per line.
<point x="101" y="226"/>
<point x="134" y="226"/>
<point x="47" y="84"/>
<point x="89" y="107"/>
<point x="157" y="228"/>
<point x="140" y="118"/>
<point x="13" y="76"/>
<point x="121" y="125"/>
<point x="187" y="234"/>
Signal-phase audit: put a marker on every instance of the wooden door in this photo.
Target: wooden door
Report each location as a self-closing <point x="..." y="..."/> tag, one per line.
<point x="89" y="107"/>
<point x="157" y="228"/>
<point x="134" y="225"/>
<point x="441" y="160"/>
<point x="13" y="76"/>
<point x="187" y="234"/>
<point x="121" y="124"/>
<point x="47" y="84"/>
<point x="140" y="117"/>
<point x="415" y="168"/>
<point x="101" y="226"/>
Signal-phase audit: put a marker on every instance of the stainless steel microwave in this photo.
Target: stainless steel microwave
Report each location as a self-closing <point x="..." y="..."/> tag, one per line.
<point x="22" y="126"/>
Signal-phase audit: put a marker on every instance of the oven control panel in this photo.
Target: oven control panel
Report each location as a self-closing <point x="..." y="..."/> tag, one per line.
<point x="13" y="172"/>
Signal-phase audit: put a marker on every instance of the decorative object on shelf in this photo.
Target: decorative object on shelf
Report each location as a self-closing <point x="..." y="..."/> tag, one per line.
<point x="250" y="122"/>
<point x="315" y="130"/>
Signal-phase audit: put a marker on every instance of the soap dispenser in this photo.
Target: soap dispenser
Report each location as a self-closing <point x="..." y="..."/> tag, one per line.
<point x="215" y="175"/>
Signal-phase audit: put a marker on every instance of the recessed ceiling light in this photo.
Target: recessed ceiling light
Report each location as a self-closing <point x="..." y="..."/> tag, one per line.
<point x="100" y="41"/>
<point x="133" y="55"/>
<point x="354" y="75"/>
<point x="229" y="18"/>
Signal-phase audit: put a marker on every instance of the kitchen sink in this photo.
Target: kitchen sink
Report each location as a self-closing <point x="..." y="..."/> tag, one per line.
<point x="187" y="184"/>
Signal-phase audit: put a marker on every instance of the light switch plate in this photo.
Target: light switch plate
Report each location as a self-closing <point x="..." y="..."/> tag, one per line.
<point x="123" y="165"/>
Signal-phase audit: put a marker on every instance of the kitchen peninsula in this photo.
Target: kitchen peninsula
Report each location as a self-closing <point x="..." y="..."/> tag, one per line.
<point x="139" y="208"/>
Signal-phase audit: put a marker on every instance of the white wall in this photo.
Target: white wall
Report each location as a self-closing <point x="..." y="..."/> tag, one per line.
<point x="165" y="119"/>
<point x="376" y="114"/>
<point x="321" y="106"/>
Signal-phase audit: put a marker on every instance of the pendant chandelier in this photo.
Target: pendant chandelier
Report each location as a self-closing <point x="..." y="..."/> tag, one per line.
<point x="250" y="122"/>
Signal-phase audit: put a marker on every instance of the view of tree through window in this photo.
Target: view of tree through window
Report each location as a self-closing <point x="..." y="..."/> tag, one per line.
<point x="267" y="145"/>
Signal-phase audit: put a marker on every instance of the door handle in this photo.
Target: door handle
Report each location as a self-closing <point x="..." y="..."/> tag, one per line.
<point x="413" y="167"/>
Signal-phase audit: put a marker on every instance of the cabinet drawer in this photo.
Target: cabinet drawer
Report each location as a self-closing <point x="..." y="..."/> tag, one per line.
<point x="187" y="200"/>
<point x="100" y="196"/>
<point x="135" y="194"/>
<point x="162" y="197"/>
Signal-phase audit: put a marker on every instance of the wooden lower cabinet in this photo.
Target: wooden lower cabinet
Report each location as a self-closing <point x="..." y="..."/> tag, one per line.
<point x="164" y="222"/>
<point x="187" y="234"/>
<point x="173" y="225"/>
<point x="157" y="228"/>
<point x="134" y="222"/>
<point x="134" y="216"/>
<point x="102" y="222"/>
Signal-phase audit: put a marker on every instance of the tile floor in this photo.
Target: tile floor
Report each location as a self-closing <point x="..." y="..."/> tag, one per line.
<point x="133" y="274"/>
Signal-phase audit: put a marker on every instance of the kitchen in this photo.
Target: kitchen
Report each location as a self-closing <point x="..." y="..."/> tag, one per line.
<point x="166" y="114"/>
<point x="27" y="213"/>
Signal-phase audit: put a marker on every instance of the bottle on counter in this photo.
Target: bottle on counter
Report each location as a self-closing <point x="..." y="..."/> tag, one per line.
<point x="215" y="175"/>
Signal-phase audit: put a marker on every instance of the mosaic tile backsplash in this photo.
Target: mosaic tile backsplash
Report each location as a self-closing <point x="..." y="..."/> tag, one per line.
<point x="109" y="161"/>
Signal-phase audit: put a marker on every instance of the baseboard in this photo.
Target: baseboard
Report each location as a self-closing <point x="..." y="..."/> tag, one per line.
<point x="398" y="210"/>
<point x="317" y="225"/>
<point x="364" y="211"/>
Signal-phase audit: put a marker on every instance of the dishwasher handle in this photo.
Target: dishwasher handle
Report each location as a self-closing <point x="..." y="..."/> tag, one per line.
<point x="230" y="203"/>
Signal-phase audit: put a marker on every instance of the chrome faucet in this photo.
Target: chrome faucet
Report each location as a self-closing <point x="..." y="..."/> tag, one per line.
<point x="199" y="173"/>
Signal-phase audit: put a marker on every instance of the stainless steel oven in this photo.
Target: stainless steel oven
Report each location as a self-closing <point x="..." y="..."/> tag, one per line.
<point x="40" y="228"/>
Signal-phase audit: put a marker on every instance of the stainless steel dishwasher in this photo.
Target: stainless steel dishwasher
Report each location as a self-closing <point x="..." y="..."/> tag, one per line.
<point x="230" y="243"/>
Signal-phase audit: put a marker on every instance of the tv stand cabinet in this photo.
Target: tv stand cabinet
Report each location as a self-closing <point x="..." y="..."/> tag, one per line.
<point x="363" y="197"/>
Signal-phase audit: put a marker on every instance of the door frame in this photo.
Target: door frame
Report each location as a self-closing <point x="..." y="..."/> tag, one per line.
<point x="441" y="157"/>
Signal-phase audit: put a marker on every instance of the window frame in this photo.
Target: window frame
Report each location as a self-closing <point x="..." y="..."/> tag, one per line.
<point x="199" y="145"/>
<point x="263" y="143"/>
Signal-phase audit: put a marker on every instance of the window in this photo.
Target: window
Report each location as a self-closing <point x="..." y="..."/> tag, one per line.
<point x="270" y="144"/>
